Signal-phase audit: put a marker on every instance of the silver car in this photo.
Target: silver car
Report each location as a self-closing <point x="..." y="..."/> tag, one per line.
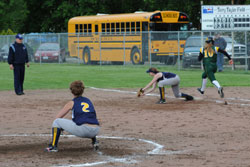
<point x="4" y="53"/>
<point x="239" y="50"/>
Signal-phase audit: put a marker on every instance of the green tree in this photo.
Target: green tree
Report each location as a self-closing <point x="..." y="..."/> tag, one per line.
<point x="53" y="15"/>
<point x="13" y="13"/>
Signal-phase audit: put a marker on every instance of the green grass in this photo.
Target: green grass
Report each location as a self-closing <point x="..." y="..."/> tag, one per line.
<point x="56" y="76"/>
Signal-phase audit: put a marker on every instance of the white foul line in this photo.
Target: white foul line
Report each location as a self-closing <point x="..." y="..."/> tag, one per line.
<point x="158" y="150"/>
<point x="124" y="91"/>
<point x="196" y="98"/>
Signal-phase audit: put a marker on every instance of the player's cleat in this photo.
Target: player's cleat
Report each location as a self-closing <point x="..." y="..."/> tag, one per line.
<point x="189" y="98"/>
<point x="51" y="149"/>
<point x="220" y="91"/>
<point x="161" y="101"/>
<point x="201" y="92"/>
<point x="95" y="144"/>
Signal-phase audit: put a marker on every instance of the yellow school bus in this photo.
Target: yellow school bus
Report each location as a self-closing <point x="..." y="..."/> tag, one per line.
<point x="135" y="37"/>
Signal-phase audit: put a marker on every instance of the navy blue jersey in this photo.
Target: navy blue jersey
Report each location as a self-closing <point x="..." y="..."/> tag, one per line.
<point x="18" y="54"/>
<point x="166" y="75"/>
<point x="83" y="111"/>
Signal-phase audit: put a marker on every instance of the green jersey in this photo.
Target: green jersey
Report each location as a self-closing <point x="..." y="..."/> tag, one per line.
<point x="209" y="57"/>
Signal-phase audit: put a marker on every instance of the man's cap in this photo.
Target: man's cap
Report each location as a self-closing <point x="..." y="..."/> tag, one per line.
<point x="19" y="36"/>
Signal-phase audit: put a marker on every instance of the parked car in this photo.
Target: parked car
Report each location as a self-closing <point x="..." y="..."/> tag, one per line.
<point x="248" y="49"/>
<point x="239" y="50"/>
<point x="4" y="51"/>
<point x="30" y="52"/>
<point x="194" y="43"/>
<point x="192" y="50"/>
<point x="248" y="53"/>
<point x="50" y="52"/>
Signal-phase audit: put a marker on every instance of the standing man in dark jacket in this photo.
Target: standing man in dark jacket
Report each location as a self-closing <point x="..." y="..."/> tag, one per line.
<point x="17" y="58"/>
<point x="222" y="44"/>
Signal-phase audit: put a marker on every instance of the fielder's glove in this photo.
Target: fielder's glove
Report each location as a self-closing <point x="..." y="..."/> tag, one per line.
<point x="140" y="92"/>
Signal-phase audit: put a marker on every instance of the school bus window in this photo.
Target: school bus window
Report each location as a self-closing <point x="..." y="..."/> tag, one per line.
<point x="118" y="28"/>
<point x="103" y="27"/>
<point x="108" y="28"/>
<point x="144" y="26"/>
<point x="138" y="26"/>
<point x="89" y="28"/>
<point x="128" y="27"/>
<point x="122" y="27"/>
<point x="76" y="28"/>
<point x="112" y="27"/>
<point x="85" y="28"/>
<point x="132" y="27"/>
<point x="80" y="28"/>
<point x="96" y="29"/>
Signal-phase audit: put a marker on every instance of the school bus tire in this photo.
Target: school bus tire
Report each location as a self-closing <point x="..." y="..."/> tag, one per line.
<point x="86" y="56"/>
<point x="248" y="64"/>
<point x="170" y="60"/>
<point x="136" y="57"/>
<point x="186" y="65"/>
<point x="175" y="60"/>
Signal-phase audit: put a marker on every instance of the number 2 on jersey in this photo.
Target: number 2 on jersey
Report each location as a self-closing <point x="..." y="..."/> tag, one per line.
<point x="85" y="107"/>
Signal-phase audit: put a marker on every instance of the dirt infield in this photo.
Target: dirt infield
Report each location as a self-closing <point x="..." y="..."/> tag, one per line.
<point x="134" y="131"/>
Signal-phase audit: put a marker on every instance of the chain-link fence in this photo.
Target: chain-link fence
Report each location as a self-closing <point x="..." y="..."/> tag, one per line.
<point x="180" y="49"/>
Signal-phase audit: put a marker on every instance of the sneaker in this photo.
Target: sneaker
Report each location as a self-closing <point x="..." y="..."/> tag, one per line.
<point x="161" y="101"/>
<point x="51" y="149"/>
<point x="220" y="91"/>
<point x="201" y="92"/>
<point x="95" y="145"/>
<point x="189" y="98"/>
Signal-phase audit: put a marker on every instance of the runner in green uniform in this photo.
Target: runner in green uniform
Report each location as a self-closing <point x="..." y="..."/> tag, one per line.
<point x="209" y="56"/>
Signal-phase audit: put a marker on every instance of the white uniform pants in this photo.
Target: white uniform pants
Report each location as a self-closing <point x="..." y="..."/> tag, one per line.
<point x="83" y="131"/>
<point x="173" y="82"/>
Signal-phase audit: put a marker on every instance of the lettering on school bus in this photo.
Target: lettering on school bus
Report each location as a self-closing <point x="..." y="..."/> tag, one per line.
<point x="169" y="15"/>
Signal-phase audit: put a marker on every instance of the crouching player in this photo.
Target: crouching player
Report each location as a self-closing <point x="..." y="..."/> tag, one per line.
<point x="163" y="79"/>
<point x="84" y="122"/>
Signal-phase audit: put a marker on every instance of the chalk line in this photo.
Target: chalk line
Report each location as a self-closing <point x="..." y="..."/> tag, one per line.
<point x="131" y="92"/>
<point x="172" y="97"/>
<point x="121" y="160"/>
<point x="158" y="149"/>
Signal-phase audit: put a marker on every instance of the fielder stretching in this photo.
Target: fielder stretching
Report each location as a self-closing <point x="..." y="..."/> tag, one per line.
<point x="163" y="79"/>
<point x="209" y="56"/>
<point x="84" y="122"/>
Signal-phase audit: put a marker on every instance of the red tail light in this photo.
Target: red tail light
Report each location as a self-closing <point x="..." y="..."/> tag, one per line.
<point x="183" y="17"/>
<point x="156" y="17"/>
